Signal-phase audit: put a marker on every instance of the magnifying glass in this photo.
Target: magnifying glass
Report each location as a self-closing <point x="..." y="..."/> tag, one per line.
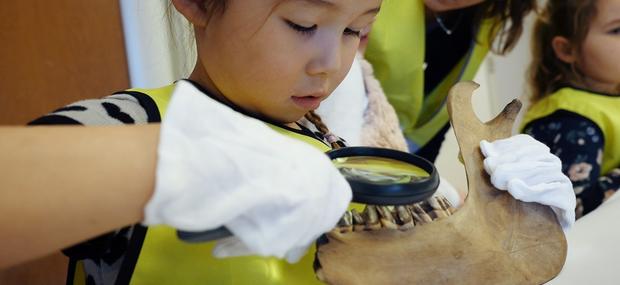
<point x="377" y="176"/>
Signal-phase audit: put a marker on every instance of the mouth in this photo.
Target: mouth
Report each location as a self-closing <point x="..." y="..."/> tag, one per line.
<point x="364" y="37"/>
<point x="309" y="102"/>
<point x="364" y="40"/>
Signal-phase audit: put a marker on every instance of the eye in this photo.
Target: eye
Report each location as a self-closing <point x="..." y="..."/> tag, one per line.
<point x="615" y="31"/>
<point x="351" y="32"/>
<point x="306" y="31"/>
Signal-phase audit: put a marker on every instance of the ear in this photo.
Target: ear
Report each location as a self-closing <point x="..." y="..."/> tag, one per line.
<point x="563" y="49"/>
<point x="193" y="10"/>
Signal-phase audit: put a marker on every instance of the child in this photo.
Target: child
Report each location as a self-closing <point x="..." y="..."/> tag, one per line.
<point x="575" y="80"/>
<point x="274" y="60"/>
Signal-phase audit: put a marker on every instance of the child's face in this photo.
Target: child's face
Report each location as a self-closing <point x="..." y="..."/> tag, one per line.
<point x="599" y="59"/>
<point x="280" y="59"/>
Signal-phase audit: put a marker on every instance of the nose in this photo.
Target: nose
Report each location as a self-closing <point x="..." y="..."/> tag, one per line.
<point x="326" y="55"/>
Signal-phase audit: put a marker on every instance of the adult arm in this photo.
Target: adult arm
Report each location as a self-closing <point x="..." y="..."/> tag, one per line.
<point x="63" y="184"/>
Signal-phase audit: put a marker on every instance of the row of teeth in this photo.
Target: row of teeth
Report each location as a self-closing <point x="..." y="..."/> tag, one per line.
<point x="401" y="217"/>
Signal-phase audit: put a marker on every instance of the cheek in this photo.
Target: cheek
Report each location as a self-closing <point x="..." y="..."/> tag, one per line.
<point x="348" y="52"/>
<point x="348" y="55"/>
<point x="276" y="53"/>
<point x="265" y="67"/>
<point x="602" y="61"/>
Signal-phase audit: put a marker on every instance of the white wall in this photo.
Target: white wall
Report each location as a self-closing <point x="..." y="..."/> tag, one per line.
<point x="154" y="59"/>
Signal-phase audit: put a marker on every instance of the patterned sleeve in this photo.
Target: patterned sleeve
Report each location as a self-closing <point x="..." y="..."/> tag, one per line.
<point x="579" y="143"/>
<point x="118" y="109"/>
<point x="103" y="253"/>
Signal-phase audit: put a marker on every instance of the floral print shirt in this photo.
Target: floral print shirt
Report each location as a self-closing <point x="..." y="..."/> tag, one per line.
<point x="579" y="143"/>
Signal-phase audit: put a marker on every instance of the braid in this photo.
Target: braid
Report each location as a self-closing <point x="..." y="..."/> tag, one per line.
<point x="333" y="140"/>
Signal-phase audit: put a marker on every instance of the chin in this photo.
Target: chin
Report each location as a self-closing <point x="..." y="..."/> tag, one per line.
<point x="288" y="119"/>
<point x="295" y="119"/>
<point x="439" y="6"/>
<point x="434" y="5"/>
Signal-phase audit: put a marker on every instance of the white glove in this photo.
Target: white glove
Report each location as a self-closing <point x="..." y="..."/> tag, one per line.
<point x="233" y="246"/>
<point x="218" y="167"/>
<point x="529" y="172"/>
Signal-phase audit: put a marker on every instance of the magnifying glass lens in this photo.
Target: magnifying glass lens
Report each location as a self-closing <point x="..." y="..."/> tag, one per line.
<point x="379" y="170"/>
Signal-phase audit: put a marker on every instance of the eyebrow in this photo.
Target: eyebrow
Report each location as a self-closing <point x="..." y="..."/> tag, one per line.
<point x="331" y="4"/>
<point x="610" y="24"/>
<point x="320" y="2"/>
<point x="613" y="22"/>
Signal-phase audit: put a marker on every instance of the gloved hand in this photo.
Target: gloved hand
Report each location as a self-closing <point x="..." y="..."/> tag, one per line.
<point x="233" y="246"/>
<point x="529" y="172"/>
<point x="218" y="167"/>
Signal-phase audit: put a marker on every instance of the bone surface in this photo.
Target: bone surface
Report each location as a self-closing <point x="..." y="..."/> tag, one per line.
<point x="491" y="239"/>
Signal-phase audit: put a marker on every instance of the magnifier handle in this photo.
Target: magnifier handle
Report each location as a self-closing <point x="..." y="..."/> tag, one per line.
<point x="205" y="236"/>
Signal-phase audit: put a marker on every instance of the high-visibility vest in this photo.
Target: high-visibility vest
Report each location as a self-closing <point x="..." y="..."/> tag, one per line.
<point x="165" y="259"/>
<point x="601" y="109"/>
<point x="396" y="51"/>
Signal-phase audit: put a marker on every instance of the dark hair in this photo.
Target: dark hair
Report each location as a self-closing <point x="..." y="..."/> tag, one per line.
<point x="570" y="19"/>
<point x="316" y="120"/>
<point x="182" y="32"/>
<point x="215" y="6"/>
<point x="219" y="6"/>
<point x="507" y="16"/>
<point x="211" y="6"/>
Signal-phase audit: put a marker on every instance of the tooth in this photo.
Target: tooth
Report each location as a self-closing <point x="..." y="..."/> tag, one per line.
<point x="438" y="211"/>
<point x="425" y="217"/>
<point x="386" y="218"/>
<point x="405" y="218"/>
<point x="372" y="223"/>
<point x="358" y="221"/>
<point x="448" y="205"/>
<point x="345" y="224"/>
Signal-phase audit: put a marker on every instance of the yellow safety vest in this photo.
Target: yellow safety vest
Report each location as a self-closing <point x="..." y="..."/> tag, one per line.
<point x="165" y="259"/>
<point x="396" y="50"/>
<point x="601" y="109"/>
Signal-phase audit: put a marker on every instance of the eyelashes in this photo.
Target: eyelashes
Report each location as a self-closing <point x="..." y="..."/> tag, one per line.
<point x="309" y="31"/>
<point x="350" y="32"/>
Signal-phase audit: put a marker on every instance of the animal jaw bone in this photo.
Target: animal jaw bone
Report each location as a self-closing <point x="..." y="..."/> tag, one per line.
<point x="402" y="217"/>
<point x="492" y="239"/>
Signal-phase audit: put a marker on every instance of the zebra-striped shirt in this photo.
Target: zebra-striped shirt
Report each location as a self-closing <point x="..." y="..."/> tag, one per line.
<point x="102" y="257"/>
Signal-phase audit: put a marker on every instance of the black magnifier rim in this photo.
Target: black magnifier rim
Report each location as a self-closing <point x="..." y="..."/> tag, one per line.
<point x="363" y="192"/>
<point x="195" y="237"/>
<point x="394" y="194"/>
